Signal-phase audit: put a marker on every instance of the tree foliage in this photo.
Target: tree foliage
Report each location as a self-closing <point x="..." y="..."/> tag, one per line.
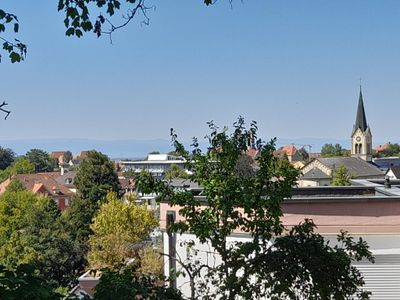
<point x="304" y="154"/>
<point x="24" y="284"/>
<point x="300" y="258"/>
<point x="391" y="150"/>
<point x="15" y="49"/>
<point x="330" y="150"/>
<point x="20" y="166"/>
<point x="128" y="283"/>
<point x="176" y="172"/>
<point x="94" y="16"/>
<point x="67" y="157"/>
<point x="118" y="228"/>
<point x="341" y="176"/>
<point x="96" y="177"/>
<point x="151" y="261"/>
<point x="30" y="233"/>
<point x="41" y="159"/>
<point x="7" y="157"/>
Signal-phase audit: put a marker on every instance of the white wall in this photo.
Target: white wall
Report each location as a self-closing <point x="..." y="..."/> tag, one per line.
<point x="383" y="245"/>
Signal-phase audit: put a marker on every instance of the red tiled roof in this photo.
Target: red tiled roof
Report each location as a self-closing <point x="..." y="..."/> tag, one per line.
<point x="43" y="182"/>
<point x="290" y="150"/>
<point x="382" y="147"/>
<point x="57" y="154"/>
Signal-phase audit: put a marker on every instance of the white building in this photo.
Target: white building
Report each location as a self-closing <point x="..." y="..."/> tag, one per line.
<point x="155" y="164"/>
<point x="368" y="211"/>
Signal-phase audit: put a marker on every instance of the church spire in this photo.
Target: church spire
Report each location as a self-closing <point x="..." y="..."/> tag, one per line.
<point x="361" y="120"/>
<point x="361" y="137"/>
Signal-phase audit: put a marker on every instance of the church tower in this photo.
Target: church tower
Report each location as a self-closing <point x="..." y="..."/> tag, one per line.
<point x="361" y="137"/>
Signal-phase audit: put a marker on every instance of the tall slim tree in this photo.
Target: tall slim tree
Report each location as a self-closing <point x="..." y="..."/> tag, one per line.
<point x="41" y="159"/>
<point x="7" y="157"/>
<point x="96" y="177"/>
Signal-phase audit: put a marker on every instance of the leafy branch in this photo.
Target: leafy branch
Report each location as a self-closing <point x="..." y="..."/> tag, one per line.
<point x="16" y="49"/>
<point x="77" y="15"/>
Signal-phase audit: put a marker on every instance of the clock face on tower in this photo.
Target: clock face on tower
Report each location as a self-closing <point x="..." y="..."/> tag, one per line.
<point x="358" y="139"/>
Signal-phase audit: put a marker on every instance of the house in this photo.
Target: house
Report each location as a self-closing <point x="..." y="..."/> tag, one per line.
<point x="127" y="185"/>
<point x="77" y="159"/>
<point x="370" y="211"/>
<point x="320" y="171"/>
<point x="59" y="157"/>
<point x="155" y="164"/>
<point x="381" y="148"/>
<point x="290" y="152"/>
<point x="393" y="173"/>
<point x="66" y="179"/>
<point x="43" y="184"/>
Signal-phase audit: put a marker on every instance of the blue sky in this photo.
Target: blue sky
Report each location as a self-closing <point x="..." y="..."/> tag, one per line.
<point x="294" y="66"/>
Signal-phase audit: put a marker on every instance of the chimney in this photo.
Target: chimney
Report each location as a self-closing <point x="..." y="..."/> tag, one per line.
<point x="62" y="170"/>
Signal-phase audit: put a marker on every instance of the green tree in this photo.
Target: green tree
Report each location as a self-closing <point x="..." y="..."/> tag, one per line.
<point x="15" y="49"/>
<point x="392" y="150"/>
<point x="304" y="154"/>
<point x="341" y="176"/>
<point x="118" y="227"/>
<point x="67" y="156"/>
<point x="42" y="160"/>
<point x="24" y="284"/>
<point x="151" y="261"/>
<point x="176" y="172"/>
<point x="271" y="262"/>
<point x="20" y="166"/>
<point x="330" y="150"/>
<point x="76" y="220"/>
<point x="128" y="283"/>
<point x="7" y="157"/>
<point x="30" y="233"/>
<point x="96" y="177"/>
<point x="130" y="174"/>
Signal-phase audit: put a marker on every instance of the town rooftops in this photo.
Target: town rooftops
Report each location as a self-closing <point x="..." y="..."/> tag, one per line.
<point x="354" y="165"/>
<point x="43" y="183"/>
<point x="316" y="174"/>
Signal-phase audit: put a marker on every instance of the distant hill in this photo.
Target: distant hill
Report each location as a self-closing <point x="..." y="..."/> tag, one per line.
<point x="134" y="149"/>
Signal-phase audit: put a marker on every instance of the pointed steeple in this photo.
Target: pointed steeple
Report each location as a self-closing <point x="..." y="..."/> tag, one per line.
<point x="361" y="120"/>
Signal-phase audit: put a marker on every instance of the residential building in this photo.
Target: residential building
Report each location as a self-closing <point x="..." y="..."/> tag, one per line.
<point x="393" y="173"/>
<point x="155" y="164"/>
<point x="381" y="148"/>
<point x="290" y="152"/>
<point x="370" y="211"/>
<point x="320" y="171"/>
<point x="43" y="184"/>
<point x="59" y="157"/>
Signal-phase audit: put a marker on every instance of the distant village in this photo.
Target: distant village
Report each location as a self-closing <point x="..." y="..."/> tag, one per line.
<point x="356" y="190"/>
